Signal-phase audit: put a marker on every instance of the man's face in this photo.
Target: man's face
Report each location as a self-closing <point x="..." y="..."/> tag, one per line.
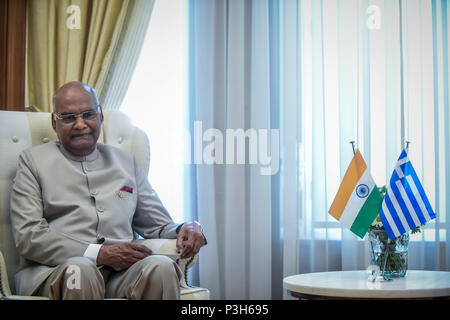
<point x="80" y="136"/>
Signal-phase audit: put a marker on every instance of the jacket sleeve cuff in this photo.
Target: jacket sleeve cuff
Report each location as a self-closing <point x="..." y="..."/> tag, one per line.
<point x="177" y="230"/>
<point x="92" y="252"/>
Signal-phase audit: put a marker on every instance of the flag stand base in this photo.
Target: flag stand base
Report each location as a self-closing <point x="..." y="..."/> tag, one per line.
<point x="374" y="278"/>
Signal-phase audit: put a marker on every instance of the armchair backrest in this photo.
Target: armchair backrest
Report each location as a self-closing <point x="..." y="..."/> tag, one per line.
<point x="21" y="130"/>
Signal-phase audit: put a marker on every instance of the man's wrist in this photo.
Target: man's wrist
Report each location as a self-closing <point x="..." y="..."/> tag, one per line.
<point x="178" y="229"/>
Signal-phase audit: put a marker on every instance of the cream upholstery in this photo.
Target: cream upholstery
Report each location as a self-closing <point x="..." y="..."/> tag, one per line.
<point x="21" y="130"/>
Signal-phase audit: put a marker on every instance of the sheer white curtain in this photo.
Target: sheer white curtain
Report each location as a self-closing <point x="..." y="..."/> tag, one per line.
<point x="375" y="72"/>
<point x="229" y="89"/>
<point x="324" y="73"/>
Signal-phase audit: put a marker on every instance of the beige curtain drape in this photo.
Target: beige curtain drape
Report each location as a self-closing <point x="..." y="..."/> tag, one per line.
<point x="130" y="45"/>
<point x="75" y="40"/>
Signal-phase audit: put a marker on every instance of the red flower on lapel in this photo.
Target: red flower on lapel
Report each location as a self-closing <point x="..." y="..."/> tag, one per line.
<point x="127" y="189"/>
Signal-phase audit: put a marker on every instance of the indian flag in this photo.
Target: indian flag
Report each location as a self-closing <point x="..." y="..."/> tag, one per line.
<point x="358" y="201"/>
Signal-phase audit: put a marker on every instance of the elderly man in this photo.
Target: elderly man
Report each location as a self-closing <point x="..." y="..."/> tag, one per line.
<point x="75" y="206"/>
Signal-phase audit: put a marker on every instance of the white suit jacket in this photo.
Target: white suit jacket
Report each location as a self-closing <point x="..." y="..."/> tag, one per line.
<point x="60" y="204"/>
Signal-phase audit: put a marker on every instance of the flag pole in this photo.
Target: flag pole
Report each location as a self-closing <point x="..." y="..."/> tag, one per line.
<point x="389" y="240"/>
<point x="374" y="277"/>
<point x="385" y="260"/>
<point x="353" y="147"/>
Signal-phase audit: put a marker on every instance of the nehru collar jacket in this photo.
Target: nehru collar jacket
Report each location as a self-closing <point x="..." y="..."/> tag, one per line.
<point x="61" y="203"/>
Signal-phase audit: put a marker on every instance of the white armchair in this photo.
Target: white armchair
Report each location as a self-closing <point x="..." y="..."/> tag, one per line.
<point x="21" y="130"/>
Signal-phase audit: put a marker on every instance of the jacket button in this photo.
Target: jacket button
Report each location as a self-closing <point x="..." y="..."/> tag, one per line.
<point x="15" y="139"/>
<point x="100" y="239"/>
<point x="45" y="140"/>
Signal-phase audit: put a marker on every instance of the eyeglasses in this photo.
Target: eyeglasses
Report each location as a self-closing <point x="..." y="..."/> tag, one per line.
<point x="71" y="117"/>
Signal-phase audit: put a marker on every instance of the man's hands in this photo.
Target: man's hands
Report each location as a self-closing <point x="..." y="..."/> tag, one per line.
<point x="122" y="255"/>
<point x="190" y="239"/>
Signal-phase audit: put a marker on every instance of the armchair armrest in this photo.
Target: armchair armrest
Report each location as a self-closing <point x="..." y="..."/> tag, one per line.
<point x="5" y="291"/>
<point x="169" y="247"/>
<point x="4" y="284"/>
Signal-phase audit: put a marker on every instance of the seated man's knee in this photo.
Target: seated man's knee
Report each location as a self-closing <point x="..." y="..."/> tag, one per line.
<point x="82" y="273"/>
<point x="161" y="267"/>
<point x="76" y="278"/>
<point x="159" y="279"/>
<point x="162" y="260"/>
<point x="82" y="264"/>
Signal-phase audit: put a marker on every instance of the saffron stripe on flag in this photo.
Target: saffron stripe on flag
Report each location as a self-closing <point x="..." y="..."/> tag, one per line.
<point x="351" y="177"/>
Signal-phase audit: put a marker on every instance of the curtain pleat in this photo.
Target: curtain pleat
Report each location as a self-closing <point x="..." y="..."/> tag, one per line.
<point x="79" y="40"/>
<point x="324" y="73"/>
<point x="229" y="90"/>
<point x="128" y="52"/>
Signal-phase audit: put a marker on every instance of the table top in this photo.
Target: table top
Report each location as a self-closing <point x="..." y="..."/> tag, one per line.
<point x="355" y="284"/>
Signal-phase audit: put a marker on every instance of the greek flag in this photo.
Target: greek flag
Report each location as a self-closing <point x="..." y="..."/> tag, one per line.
<point x="405" y="205"/>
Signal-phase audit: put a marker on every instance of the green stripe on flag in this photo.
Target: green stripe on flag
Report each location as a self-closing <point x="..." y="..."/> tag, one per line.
<point x="368" y="213"/>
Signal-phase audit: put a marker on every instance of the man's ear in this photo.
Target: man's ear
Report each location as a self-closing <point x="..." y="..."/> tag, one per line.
<point x="53" y="121"/>
<point x="101" y="114"/>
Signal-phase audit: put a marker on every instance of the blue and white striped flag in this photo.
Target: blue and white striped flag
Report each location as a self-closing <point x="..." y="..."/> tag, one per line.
<point x="405" y="205"/>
